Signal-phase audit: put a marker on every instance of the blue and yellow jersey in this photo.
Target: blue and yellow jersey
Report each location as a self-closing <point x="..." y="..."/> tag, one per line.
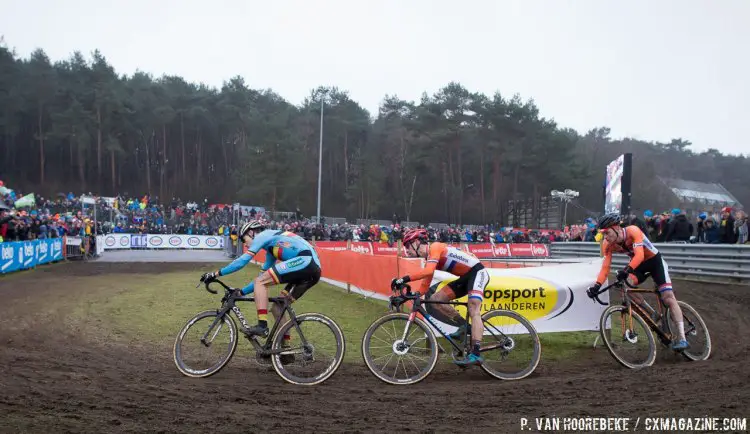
<point x="279" y="245"/>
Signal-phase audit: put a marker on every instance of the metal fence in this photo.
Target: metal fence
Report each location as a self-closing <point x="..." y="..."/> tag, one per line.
<point x="80" y="248"/>
<point x="232" y="249"/>
<point x="716" y="263"/>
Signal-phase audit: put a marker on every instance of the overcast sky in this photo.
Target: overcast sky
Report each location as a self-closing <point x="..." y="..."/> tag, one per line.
<point x="652" y="70"/>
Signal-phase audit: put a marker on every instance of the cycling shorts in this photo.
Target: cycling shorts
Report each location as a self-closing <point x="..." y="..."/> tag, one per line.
<point x="657" y="269"/>
<point x="472" y="283"/>
<point x="299" y="273"/>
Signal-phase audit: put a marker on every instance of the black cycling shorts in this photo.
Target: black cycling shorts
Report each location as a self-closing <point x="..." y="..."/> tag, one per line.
<point x="299" y="273"/>
<point x="472" y="283"/>
<point x="657" y="269"/>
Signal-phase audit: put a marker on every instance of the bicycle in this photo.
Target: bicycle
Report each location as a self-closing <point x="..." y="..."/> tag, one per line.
<point x="632" y="313"/>
<point x="424" y="341"/>
<point x="281" y="352"/>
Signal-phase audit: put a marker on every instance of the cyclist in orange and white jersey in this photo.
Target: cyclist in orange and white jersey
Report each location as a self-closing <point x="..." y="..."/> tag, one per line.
<point x="472" y="281"/>
<point x="645" y="261"/>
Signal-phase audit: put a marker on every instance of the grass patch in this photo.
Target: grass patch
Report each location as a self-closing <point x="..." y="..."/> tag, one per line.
<point x="152" y="308"/>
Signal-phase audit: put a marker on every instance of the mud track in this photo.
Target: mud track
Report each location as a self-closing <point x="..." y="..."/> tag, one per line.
<point x="56" y="381"/>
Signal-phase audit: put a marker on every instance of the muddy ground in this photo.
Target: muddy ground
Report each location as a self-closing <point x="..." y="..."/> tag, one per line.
<point x="59" y="380"/>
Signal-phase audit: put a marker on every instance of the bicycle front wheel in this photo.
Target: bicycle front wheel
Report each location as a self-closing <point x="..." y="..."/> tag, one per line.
<point x="696" y="332"/>
<point x="627" y="337"/>
<point x="510" y="345"/>
<point x="308" y="350"/>
<point x="205" y="344"/>
<point x="395" y="358"/>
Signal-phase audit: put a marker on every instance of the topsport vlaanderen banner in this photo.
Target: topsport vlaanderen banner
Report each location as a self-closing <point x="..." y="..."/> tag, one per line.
<point x="158" y="241"/>
<point x="552" y="297"/>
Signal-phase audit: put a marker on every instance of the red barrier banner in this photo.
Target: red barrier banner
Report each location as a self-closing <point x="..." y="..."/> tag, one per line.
<point x="521" y="250"/>
<point x="384" y="249"/>
<point x="502" y="251"/>
<point x="362" y="247"/>
<point x="481" y="250"/>
<point x="540" y="250"/>
<point x="336" y="246"/>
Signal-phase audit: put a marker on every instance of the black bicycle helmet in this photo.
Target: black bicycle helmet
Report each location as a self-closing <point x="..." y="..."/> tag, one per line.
<point x="608" y="220"/>
<point x="252" y="225"/>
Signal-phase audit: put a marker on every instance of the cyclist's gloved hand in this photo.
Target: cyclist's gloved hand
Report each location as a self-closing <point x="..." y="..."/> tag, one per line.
<point x="209" y="277"/>
<point x="624" y="273"/>
<point x="593" y="290"/>
<point x="400" y="281"/>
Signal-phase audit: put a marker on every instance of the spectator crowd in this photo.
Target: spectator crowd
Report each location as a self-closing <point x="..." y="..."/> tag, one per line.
<point x="27" y="218"/>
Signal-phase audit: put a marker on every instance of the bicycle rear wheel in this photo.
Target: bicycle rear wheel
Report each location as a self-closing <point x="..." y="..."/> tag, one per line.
<point x="630" y="343"/>
<point x="387" y="354"/>
<point x="311" y="349"/>
<point x="201" y="334"/>
<point x="696" y="332"/>
<point x="510" y="345"/>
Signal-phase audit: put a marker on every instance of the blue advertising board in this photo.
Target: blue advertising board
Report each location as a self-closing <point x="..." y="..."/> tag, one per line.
<point x="22" y="255"/>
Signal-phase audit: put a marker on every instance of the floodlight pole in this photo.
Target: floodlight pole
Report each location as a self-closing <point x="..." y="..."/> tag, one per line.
<point x="320" y="155"/>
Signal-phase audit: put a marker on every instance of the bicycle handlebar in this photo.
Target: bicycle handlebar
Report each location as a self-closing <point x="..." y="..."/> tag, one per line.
<point x="616" y="284"/>
<point x="213" y="291"/>
<point x="405" y="295"/>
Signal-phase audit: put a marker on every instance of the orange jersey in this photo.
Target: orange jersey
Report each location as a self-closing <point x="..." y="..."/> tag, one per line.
<point x="444" y="258"/>
<point x="635" y="244"/>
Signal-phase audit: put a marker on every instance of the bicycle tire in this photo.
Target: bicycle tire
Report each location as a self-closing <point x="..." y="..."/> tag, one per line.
<point x="537" y="351"/>
<point x="330" y="370"/>
<point x="607" y="339"/>
<point x="369" y="362"/>
<point x="177" y="352"/>
<point x="689" y="354"/>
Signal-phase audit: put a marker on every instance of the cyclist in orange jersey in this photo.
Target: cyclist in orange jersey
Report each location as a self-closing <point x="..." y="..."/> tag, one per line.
<point x="472" y="281"/>
<point x="645" y="261"/>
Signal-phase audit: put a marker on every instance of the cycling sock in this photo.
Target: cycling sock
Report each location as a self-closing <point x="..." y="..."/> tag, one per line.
<point x="263" y="317"/>
<point x="475" y="351"/>
<point x="681" y="329"/>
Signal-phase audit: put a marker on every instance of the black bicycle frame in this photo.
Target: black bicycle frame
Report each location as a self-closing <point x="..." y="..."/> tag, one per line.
<point x="228" y="304"/>
<point x="418" y="308"/>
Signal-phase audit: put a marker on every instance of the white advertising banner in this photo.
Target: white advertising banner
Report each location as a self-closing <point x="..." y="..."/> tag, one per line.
<point x="116" y="241"/>
<point x="185" y="242"/>
<point x="552" y="297"/>
<point x="158" y="241"/>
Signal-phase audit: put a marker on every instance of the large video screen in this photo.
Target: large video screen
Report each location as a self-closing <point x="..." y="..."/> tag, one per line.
<point x="613" y="186"/>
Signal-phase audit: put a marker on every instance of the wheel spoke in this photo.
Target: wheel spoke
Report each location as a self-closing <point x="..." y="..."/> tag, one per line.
<point x="414" y="359"/>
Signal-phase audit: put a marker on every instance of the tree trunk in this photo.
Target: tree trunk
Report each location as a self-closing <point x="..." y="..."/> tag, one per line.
<point x="72" y="161"/>
<point x="460" y="182"/>
<point x="163" y="168"/>
<point x="99" y="143"/>
<point x="346" y="160"/>
<point x="81" y="164"/>
<point x="535" y="205"/>
<point x="119" y="172"/>
<point x="515" y="194"/>
<point x="481" y="182"/>
<point x="182" y="140"/>
<point x="198" y="159"/>
<point x="226" y="157"/>
<point x="112" y="165"/>
<point x="148" y="164"/>
<point x="496" y="182"/>
<point x="41" y="148"/>
<point x="445" y="193"/>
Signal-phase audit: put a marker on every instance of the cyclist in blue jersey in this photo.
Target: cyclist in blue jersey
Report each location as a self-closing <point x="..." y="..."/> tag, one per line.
<point x="298" y="267"/>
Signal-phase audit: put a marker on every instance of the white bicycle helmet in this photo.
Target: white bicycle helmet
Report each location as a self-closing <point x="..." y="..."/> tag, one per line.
<point x="252" y="225"/>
